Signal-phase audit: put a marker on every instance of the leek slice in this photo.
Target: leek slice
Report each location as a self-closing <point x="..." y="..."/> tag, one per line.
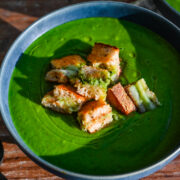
<point x="134" y="94"/>
<point x="142" y="89"/>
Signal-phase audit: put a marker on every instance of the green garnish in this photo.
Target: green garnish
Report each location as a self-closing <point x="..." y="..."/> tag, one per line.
<point x="94" y="76"/>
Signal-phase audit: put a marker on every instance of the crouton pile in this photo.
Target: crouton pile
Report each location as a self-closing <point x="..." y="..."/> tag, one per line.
<point x="86" y="87"/>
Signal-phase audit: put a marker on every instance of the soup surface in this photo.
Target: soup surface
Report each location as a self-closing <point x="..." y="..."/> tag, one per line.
<point x="175" y="4"/>
<point x="130" y="142"/>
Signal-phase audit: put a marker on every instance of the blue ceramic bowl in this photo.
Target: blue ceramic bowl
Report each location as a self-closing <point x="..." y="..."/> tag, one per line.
<point x="168" y="11"/>
<point x="125" y="11"/>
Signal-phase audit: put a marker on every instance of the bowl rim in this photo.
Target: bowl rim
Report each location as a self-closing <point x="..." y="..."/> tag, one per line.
<point x="168" y="11"/>
<point x="171" y="7"/>
<point x="45" y="164"/>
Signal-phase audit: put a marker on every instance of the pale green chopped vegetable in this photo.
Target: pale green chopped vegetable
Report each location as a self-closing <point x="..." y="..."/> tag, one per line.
<point x="142" y="88"/>
<point x="134" y="94"/>
<point x="73" y="68"/>
<point x="149" y="98"/>
<point x="143" y="98"/>
<point x="151" y="95"/>
<point x="67" y="72"/>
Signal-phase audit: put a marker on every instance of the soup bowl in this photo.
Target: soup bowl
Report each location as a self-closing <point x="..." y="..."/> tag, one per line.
<point x="111" y="9"/>
<point x="168" y="11"/>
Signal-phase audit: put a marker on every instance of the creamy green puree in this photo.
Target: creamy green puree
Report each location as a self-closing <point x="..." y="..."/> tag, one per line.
<point x="130" y="142"/>
<point x="175" y="4"/>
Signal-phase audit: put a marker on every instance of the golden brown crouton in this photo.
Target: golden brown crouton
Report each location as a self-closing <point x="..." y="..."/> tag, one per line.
<point x="73" y="60"/>
<point x="90" y="91"/>
<point x="90" y="73"/>
<point x="106" y="56"/>
<point x="95" y="115"/>
<point x="64" y="68"/>
<point x="120" y="100"/>
<point x="56" y="75"/>
<point x="92" y="82"/>
<point x="63" y="99"/>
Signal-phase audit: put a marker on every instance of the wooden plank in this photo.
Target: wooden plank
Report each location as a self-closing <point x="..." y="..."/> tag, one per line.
<point x="16" y="165"/>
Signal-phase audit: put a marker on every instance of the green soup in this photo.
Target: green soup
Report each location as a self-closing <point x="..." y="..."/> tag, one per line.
<point x="175" y="4"/>
<point x="130" y="142"/>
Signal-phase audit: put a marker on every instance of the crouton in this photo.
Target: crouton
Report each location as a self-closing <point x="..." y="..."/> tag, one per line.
<point x="90" y="91"/>
<point x="64" y="68"/>
<point x="63" y="99"/>
<point x="56" y="75"/>
<point x="72" y="60"/>
<point x="94" y="76"/>
<point x="91" y="82"/>
<point x="118" y="98"/>
<point x="95" y="115"/>
<point x="61" y="75"/>
<point x="106" y="56"/>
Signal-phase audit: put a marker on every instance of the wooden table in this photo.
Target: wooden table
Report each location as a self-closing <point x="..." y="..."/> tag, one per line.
<point x="15" y="16"/>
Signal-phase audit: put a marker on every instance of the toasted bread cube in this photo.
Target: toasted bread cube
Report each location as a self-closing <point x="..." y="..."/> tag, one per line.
<point x="90" y="91"/>
<point x="95" y="115"/>
<point x="56" y="75"/>
<point x="118" y="98"/>
<point x="63" y="99"/>
<point x="95" y="76"/>
<point x="92" y="82"/>
<point x="60" y="75"/>
<point x="72" y="60"/>
<point x="106" y="56"/>
<point x="64" y="68"/>
<point x="50" y="101"/>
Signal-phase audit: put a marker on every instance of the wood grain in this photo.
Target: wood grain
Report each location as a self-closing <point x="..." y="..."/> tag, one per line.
<point x="16" y="165"/>
<point x="15" y="16"/>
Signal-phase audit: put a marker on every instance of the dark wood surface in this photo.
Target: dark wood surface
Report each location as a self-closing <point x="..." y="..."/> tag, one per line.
<point x="15" y="16"/>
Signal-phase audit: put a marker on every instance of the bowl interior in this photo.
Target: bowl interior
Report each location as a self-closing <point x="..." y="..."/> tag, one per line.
<point x="127" y="145"/>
